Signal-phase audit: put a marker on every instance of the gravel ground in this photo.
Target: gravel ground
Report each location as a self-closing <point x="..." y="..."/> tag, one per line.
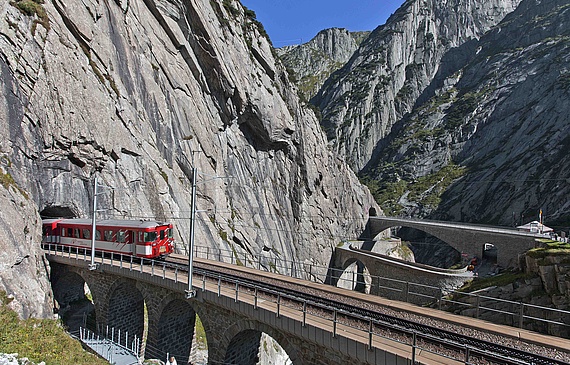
<point x="509" y="342"/>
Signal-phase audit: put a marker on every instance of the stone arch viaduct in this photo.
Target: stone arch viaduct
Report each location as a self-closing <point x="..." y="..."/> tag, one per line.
<point x="122" y="294"/>
<point x="466" y="238"/>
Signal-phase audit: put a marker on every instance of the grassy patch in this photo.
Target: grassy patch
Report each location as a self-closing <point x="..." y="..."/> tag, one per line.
<point x="426" y="190"/>
<point x="6" y="180"/>
<point x="33" y="8"/>
<point x="40" y="339"/>
<point x="201" y="335"/>
<point x="552" y="248"/>
<point x="503" y="279"/>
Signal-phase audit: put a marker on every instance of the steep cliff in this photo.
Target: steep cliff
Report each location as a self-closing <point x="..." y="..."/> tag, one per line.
<point x="488" y="139"/>
<point x="313" y="62"/>
<point x="139" y="92"/>
<point x="392" y="67"/>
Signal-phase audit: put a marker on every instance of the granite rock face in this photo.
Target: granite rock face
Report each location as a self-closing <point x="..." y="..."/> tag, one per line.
<point x="393" y="66"/>
<point x="488" y="139"/>
<point x="455" y="110"/>
<point x="313" y="62"/>
<point x="138" y="93"/>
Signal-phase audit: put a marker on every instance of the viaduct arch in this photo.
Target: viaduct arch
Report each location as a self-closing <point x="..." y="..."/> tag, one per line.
<point x="120" y="303"/>
<point x="381" y="267"/>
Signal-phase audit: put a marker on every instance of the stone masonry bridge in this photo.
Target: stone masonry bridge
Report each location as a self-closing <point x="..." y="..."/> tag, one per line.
<point x="412" y="277"/>
<point x="124" y="294"/>
<point x="467" y="238"/>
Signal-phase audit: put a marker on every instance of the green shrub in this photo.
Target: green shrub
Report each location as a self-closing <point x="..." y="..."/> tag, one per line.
<point x="497" y="280"/>
<point x="33" y="8"/>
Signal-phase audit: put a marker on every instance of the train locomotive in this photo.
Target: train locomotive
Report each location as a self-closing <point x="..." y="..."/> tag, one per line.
<point x="147" y="239"/>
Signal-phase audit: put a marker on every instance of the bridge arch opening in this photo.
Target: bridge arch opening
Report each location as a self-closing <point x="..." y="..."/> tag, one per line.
<point x="126" y="310"/>
<point x="251" y="347"/>
<point x="179" y="333"/>
<point x="355" y="276"/>
<point x="429" y="249"/>
<point x="74" y="301"/>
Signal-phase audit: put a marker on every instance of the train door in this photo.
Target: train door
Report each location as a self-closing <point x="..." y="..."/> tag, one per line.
<point x="131" y="241"/>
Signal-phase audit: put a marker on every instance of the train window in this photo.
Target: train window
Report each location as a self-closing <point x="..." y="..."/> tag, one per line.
<point x="76" y="233"/>
<point x="86" y="234"/>
<point x="108" y="235"/>
<point x="161" y="235"/>
<point x="170" y="233"/>
<point x="121" y="236"/>
<point x="149" y="236"/>
<point x="63" y="232"/>
<point x="70" y="232"/>
<point x="98" y="235"/>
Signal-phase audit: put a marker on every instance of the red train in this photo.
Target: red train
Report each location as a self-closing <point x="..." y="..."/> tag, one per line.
<point x="148" y="239"/>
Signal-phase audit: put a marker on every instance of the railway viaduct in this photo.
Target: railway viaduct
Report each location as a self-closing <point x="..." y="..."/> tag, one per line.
<point x="466" y="238"/>
<point x="123" y="295"/>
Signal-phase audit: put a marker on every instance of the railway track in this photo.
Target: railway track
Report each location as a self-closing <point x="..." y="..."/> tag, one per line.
<point x="473" y="350"/>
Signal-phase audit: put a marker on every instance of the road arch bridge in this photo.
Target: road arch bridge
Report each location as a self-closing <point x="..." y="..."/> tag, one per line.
<point x="467" y="238"/>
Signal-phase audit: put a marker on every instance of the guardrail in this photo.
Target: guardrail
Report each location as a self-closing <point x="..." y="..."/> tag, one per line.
<point x="112" y="345"/>
<point x="518" y="314"/>
<point x="283" y="304"/>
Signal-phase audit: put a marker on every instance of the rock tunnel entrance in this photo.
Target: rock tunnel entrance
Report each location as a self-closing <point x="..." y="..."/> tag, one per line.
<point x="57" y="211"/>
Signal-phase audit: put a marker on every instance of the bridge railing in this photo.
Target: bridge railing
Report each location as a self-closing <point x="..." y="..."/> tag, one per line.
<point x="109" y="343"/>
<point x="518" y="314"/>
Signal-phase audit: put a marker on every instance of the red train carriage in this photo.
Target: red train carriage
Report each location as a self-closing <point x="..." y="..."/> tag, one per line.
<point x="148" y="239"/>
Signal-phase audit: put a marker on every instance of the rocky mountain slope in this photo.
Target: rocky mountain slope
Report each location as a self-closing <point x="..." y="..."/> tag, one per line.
<point x="313" y="62"/>
<point x="468" y="93"/>
<point x="488" y="139"/>
<point x="392" y="67"/>
<point x="139" y="92"/>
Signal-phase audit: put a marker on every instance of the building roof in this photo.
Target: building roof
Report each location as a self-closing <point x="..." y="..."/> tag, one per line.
<point x="535" y="226"/>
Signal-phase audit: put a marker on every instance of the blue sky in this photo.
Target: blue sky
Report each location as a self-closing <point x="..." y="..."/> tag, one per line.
<point x="297" y="21"/>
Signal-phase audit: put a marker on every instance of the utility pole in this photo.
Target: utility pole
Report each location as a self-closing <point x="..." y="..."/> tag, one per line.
<point x="93" y="265"/>
<point x="190" y="292"/>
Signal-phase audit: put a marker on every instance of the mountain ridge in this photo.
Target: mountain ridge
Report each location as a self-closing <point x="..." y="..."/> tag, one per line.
<point x="402" y="111"/>
<point x="139" y="93"/>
